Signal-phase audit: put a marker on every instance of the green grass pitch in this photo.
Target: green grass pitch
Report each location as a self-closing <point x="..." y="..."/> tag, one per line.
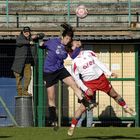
<point x="47" y="133"/>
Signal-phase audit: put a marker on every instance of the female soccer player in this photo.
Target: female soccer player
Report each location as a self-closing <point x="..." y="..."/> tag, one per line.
<point x="54" y="70"/>
<point x="92" y="71"/>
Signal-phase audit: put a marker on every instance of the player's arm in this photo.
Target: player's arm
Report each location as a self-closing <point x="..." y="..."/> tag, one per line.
<point x="20" y="41"/>
<point x="75" y="74"/>
<point x="44" y="44"/>
<point x="74" y="53"/>
<point x="76" y="47"/>
<point x="102" y="66"/>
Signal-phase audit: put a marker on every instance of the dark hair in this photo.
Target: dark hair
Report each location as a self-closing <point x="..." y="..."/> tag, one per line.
<point x="26" y="29"/>
<point x="68" y="30"/>
<point x="40" y="35"/>
<point x="68" y="48"/>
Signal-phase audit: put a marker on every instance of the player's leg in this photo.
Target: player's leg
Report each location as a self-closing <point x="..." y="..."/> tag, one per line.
<point x="52" y="106"/>
<point x="83" y="116"/>
<point x="74" y="121"/>
<point x="107" y="87"/>
<point x="27" y="79"/>
<point x="51" y="79"/>
<point x="112" y="93"/>
<point x="89" y="118"/>
<point x="70" y="82"/>
<point x="18" y="83"/>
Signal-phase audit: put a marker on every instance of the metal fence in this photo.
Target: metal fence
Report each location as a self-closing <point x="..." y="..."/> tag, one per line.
<point x="115" y="57"/>
<point x="51" y="13"/>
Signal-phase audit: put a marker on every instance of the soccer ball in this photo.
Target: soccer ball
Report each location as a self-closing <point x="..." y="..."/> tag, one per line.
<point x="81" y="11"/>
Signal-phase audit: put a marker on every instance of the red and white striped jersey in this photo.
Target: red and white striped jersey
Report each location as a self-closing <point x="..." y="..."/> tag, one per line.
<point x="89" y="67"/>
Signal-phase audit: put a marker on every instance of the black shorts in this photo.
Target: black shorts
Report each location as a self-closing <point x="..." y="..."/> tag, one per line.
<point x="52" y="78"/>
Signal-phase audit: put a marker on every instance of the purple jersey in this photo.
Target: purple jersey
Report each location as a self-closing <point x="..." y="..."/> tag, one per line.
<point x="55" y="55"/>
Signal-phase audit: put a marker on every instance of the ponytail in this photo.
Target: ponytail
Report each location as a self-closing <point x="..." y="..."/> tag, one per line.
<point x="68" y="30"/>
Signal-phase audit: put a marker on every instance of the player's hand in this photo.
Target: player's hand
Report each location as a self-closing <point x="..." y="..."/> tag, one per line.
<point x="114" y="75"/>
<point x="41" y="43"/>
<point x="89" y="92"/>
<point x="78" y="44"/>
<point x="34" y="36"/>
<point x="31" y="43"/>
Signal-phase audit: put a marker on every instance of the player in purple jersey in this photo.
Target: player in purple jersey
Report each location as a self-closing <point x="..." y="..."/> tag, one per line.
<point x="54" y="70"/>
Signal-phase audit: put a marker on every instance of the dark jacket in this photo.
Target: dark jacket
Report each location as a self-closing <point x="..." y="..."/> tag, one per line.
<point x="23" y="45"/>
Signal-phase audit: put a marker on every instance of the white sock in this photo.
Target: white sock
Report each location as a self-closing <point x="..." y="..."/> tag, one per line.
<point x="73" y="125"/>
<point x="125" y="106"/>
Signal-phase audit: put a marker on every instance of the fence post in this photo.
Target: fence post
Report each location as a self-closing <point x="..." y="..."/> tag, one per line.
<point x="68" y="11"/>
<point x="137" y="123"/>
<point x="17" y="19"/>
<point x="40" y="108"/>
<point x="35" y="95"/>
<point x="129" y="12"/>
<point x="7" y="13"/>
<point x="59" y="102"/>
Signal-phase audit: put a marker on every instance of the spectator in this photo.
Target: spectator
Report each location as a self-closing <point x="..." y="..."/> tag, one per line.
<point x="25" y="55"/>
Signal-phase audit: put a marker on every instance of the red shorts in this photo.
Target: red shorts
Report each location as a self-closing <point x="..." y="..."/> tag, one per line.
<point x="101" y="84"/>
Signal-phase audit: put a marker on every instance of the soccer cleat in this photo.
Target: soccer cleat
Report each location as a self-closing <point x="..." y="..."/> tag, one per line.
<point x="88" y="104"/>
<point x="55" y="126"/>
<point x="130" y="111"/>
<point x="71" y="131"/>
<point x="91" y="106"/>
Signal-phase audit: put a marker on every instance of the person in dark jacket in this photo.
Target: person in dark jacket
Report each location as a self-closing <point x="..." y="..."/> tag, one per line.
<point x="24" y="58"/>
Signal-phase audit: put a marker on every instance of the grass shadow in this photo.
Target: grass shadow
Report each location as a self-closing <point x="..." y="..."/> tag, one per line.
<point x="104" y="138"/>
<point x="5" y="137"/>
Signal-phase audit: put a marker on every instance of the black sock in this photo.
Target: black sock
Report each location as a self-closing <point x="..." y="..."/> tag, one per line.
<point x="85" y="102"/>
<point x="52" y="114"/>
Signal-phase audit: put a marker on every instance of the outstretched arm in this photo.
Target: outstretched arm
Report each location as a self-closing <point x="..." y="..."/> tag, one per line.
<point x="75" y="74"/>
